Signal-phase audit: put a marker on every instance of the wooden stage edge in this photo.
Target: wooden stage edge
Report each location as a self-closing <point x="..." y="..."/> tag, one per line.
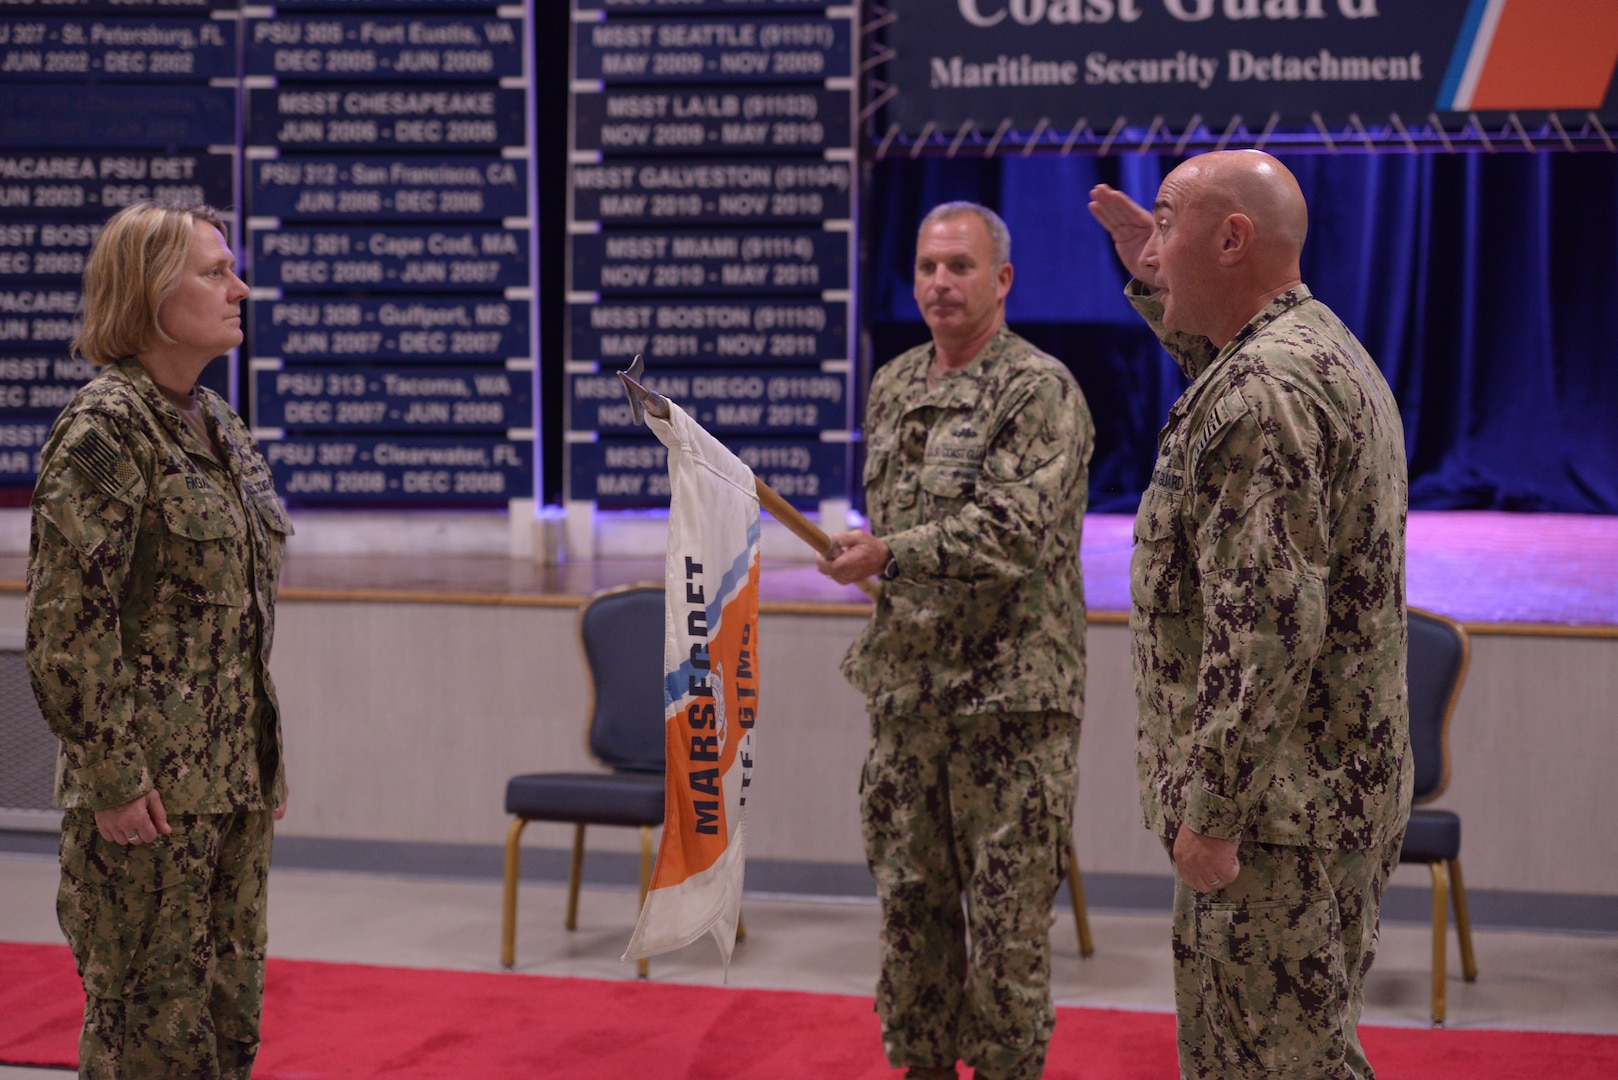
<point x="1521" y="575"/>
<point x="526" y="591"/>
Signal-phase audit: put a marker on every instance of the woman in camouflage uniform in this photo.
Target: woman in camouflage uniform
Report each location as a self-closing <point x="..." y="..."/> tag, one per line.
<point x="156" y="544"/>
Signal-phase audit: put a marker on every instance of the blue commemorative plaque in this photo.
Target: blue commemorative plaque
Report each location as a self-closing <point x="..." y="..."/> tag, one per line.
<point x="45" y="251"/>
<point x="709" y="331"/>
<point x="481" y="400"/>
<point x="370" y="117"/>
<point x="98" y="183"/>
<point x="381" y="469"/>
<point x="128" y="117"/>
<point x="32" y="317"/>
<point x="41" y="382"/>
<point x="370" y="328"/>
<point x="116" y="50"/>
<point x="10" y="9"/>
<point x="329" y="6"/>
<point x="688" y="7"/>
<point x="801" y="401"/>
<point x="624" y="472"/>
<point x="764" y="191"/>
<point x="754" y="120"/>
<point x="712" y="50"/>
<point x="716" y="262"/>
<point x="21" y="439"/>
<point x="399" y="188"/>
<point x="422" y="48"/>
<point x="455" y="258"/>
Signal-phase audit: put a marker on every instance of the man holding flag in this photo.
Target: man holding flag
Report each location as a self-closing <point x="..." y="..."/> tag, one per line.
<point x="977" y="456"/>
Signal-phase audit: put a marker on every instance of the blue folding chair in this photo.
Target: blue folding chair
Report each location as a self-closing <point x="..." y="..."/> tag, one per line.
<point x="1438" y="656"/>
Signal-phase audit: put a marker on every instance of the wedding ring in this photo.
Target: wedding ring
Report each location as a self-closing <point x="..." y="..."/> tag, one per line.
<point x="1215" y="883"/>
<point x="132" y="840"/>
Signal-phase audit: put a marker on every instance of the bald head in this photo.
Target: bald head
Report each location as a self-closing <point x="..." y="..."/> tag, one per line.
<point x="1256" y="185"/>
<point x="1230" y="231"/>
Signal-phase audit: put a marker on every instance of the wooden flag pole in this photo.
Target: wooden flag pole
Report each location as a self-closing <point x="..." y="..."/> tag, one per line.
<point x="642" y="399"/>
<point x="807" y="531"/>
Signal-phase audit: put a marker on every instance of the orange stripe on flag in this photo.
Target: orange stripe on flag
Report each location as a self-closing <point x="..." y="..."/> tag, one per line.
<point x="1550" y="54"/>
<point x="696" y="851"/>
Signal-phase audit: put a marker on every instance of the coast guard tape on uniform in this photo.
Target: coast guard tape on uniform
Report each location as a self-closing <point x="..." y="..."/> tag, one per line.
<point x="710" y="660"/>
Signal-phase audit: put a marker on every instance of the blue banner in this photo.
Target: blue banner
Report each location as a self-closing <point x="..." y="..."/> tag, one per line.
<point x="712" y="50"/>
<point x="475" y="330"/>
<point x="31" y="317"/>
<point x="10" y="9"/>
<point x="802" y="401"/>
<point x="423" y="188"/>
<point x="45" y="251"/>
<point x="1052" y="64"/>
<point x="96" y="184"/>
<point x="752" y="121"/>
<point x="20" y="443"/>
<point x="116" y="50"/>
<point x="362" y="5"/>
<point x="128" y="117"/>
<point x="41" y="382"/>
<point x="688" y="7"/>
<point x="487" y="400"/>
<point x="455" y="259"/>
<point x="373" y="117"/>
<point x="624" y="472"/>
<point x="368" y="469"/>
<point x="755" y="191"/>
<point x="424" y="48"/>
<point x="716" y="263"/>
<point x="783" y="331"/>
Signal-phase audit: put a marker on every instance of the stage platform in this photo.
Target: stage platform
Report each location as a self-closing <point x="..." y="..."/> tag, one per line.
<point x="1494" y="572"/>
<point x="412" y="688"/>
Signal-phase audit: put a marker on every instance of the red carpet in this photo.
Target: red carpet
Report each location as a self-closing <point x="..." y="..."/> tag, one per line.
<point x="346" y="1020"/>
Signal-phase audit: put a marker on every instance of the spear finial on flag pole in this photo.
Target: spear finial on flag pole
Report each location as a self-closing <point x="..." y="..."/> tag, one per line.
<point x="642" y="401"/>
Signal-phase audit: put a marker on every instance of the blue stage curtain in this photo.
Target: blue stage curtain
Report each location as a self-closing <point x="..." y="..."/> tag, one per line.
<point x="1485" y="285"/>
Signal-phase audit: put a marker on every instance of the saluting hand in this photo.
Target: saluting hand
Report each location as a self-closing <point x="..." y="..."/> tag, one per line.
<point x="1129" y="224"/>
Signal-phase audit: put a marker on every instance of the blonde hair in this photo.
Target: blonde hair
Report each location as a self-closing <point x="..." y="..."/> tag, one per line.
<point x="134" y="266"/>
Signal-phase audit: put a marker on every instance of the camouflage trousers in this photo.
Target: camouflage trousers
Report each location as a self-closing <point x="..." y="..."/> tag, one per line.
<point x="976" y="809"/>
<point x="1269" y="972"/>
<point x="169" y="940"/>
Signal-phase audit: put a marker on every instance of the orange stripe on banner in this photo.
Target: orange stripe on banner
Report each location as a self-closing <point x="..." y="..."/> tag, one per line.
<point x="1550" y="54"/>
<point x="693" y="851"/>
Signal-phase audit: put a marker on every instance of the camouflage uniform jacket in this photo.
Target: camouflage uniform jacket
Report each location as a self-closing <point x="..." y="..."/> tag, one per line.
<point x="979" y="488"/>
<point x="151" y="590"/>
<point x="1267" y="589"/>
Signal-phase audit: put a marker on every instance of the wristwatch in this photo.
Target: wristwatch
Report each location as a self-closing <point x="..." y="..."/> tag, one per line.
<point x="890" y="572"/>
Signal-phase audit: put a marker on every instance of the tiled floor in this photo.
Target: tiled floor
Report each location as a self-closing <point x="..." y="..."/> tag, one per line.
<point x="1539" y="981"/>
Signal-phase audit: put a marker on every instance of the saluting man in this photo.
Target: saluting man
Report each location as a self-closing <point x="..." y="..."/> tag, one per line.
<point x="1268" y="617"/>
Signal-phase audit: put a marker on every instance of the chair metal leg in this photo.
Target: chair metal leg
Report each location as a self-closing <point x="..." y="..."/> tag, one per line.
<point x="575" y="870"/>
<point x="1463" y="922"/>
<point x="508" y="914"/>
<point x="1440" y="934"/>
<point x="1081" y="915"/>
<point x="643" y="966"/>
